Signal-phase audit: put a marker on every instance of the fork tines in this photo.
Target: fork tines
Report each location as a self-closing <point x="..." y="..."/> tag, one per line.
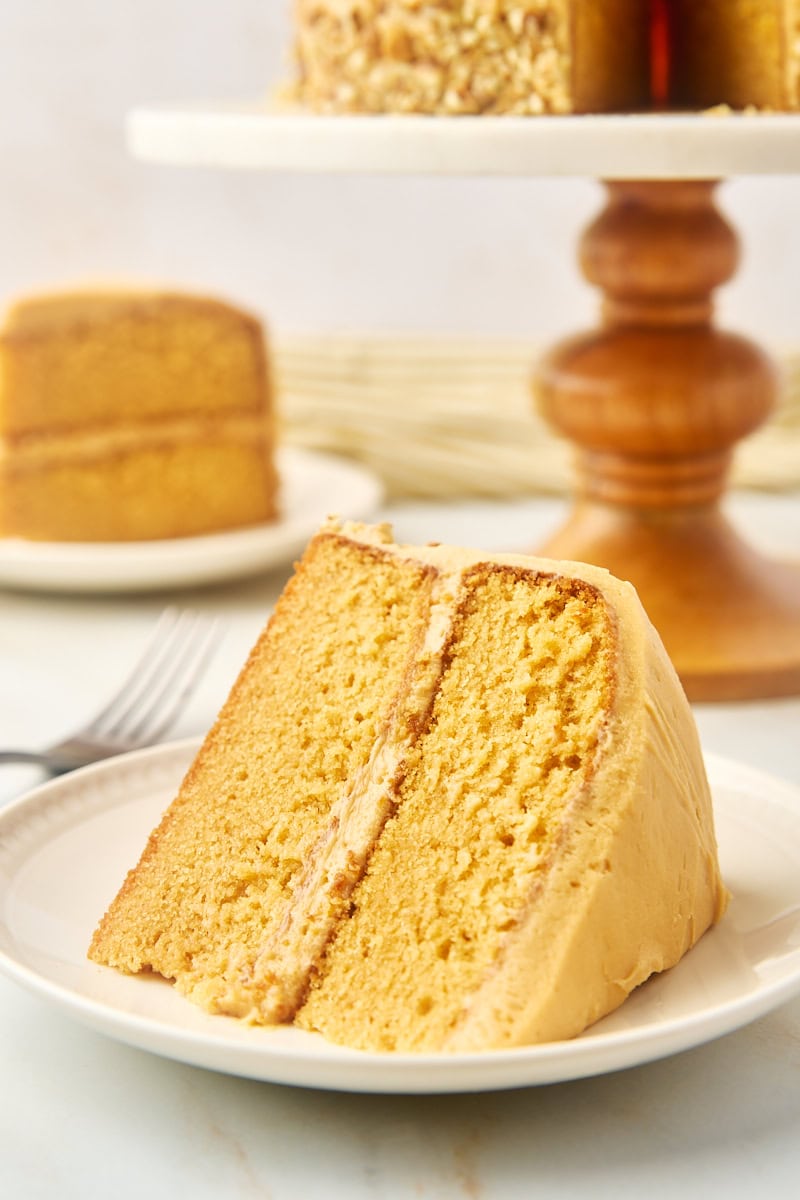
<point x="162" y="682"/>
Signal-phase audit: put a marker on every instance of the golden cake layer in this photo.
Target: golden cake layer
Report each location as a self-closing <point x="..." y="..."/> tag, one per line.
<point x="472" y="56"/>
<point x="133" y="415"/>
<point x="454" y="801"/>
<point x="740" y="53"/>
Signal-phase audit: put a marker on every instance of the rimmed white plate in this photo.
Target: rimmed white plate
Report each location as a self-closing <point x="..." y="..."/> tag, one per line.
<point x="65" y="848"/>
<point x="313" y="486"/>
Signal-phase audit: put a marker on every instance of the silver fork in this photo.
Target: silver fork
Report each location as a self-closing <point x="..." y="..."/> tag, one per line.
<point x="147" y="704"/>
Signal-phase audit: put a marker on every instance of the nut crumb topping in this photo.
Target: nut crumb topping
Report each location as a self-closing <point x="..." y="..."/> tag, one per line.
<point x="433" y="56"/>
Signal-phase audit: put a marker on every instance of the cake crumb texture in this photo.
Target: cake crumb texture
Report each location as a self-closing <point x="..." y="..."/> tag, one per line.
<point x="478" y="816"/>
<point x="221" y="870"/>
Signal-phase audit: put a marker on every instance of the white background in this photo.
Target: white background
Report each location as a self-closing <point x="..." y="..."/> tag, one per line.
<point x="494" y="257"/>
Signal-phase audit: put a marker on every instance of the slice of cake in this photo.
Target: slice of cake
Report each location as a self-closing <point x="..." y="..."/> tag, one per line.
<point x="133" y="415"/>
<point x="472" y="56"/>
<point x="454" y="801"/>
<point x="740" y="53"/>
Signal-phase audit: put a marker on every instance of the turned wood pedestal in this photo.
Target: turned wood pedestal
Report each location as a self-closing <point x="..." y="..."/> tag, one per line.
<point x="655" y="402"/>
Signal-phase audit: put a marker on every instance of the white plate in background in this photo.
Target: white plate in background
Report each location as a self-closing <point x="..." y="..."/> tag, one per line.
<point x="313" y="486"/>
<point x="65" y="848"/>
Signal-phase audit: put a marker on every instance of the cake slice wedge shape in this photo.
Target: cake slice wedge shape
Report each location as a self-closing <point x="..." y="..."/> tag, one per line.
<point x="454" y="801"/>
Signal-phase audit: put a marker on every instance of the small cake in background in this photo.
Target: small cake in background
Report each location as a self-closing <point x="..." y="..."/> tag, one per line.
<point x="741" y="53"/>
<point x="455" y="801"/>
<point x="472" y="56"/>
<point x="133" y="415"/>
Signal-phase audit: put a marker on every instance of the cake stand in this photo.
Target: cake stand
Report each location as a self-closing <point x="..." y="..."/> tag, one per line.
<point x="656" y="398"/>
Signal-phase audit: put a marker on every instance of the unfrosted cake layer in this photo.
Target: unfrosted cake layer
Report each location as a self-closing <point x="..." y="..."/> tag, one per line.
<point x="453" y="801"/>
<point x="522" y="57"/>
<point x="128" y="415"/>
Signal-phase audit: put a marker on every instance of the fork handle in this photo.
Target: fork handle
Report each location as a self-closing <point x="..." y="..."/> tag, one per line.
<point x="24" y="756"/>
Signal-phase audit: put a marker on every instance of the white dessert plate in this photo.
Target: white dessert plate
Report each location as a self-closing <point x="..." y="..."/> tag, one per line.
<point x="313" y="486"/>
<point x="65" y="848"/>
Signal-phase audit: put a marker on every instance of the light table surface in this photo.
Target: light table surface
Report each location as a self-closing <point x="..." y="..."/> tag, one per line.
<point x="83" y="1116"/>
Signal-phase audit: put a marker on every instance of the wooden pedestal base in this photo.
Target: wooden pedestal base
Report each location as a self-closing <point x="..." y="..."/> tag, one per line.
<point x="729" y="617"/>
<point x="655" y="402"/>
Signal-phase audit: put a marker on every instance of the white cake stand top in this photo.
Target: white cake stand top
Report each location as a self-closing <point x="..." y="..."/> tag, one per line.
<point x="654" y="146"/>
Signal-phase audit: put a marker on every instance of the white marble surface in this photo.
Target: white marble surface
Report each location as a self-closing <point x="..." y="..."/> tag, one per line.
<point x="83" y="1116"/>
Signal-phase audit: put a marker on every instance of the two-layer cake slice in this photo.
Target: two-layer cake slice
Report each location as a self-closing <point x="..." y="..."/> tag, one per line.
<point x="453" y="801"/>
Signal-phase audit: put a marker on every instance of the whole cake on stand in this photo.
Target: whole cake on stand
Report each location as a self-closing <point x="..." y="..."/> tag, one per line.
<point x="656" y="398"/>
